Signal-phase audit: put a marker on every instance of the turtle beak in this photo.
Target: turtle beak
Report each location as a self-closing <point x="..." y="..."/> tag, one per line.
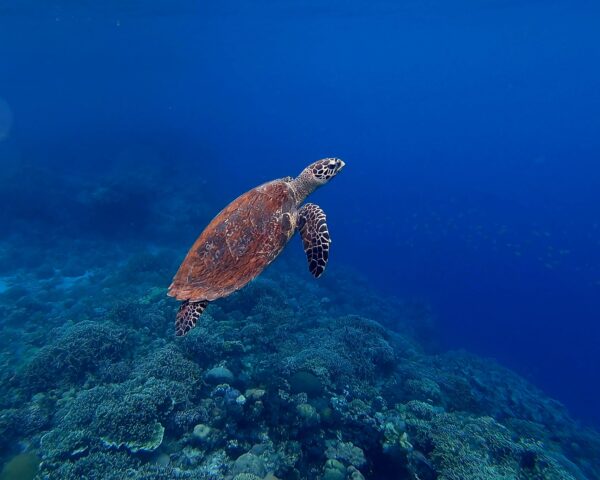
<point x="341" y="164"/>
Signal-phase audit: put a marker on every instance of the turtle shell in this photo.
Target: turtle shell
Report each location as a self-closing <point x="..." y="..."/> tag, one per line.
<point x="237" y="244"/>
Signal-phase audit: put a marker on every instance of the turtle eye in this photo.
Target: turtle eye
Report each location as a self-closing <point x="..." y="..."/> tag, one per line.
<point x="331" y="166"/>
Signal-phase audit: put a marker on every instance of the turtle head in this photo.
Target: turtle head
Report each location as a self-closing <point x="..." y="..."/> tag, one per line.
<point x="316" y="175"/>
<point x="324" y="170"/>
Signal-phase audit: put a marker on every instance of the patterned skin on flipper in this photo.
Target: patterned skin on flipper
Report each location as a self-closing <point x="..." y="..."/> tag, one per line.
<point x="187" y="316"/>
<point x="315" y="237"/>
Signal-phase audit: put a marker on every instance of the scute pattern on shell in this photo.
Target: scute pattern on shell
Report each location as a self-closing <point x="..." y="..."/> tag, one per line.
<point x="238" y="243"/>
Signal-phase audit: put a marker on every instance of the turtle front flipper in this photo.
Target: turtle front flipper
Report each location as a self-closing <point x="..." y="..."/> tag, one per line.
<point x="315" y="237"/>
<point x="188" y="315"/>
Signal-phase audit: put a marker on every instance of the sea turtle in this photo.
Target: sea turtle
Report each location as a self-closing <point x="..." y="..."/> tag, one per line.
<point x="247" y="235"/>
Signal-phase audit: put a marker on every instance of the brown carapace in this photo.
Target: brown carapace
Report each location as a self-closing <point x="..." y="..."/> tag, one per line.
<point x="247" y="235"/>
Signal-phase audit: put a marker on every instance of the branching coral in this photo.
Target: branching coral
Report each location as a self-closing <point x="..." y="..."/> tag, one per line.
<point x="76" y="350"/>
<point x="463" y="446"/>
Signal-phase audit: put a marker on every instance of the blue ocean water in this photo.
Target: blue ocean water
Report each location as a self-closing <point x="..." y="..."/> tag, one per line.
<point x="470" y="132"/>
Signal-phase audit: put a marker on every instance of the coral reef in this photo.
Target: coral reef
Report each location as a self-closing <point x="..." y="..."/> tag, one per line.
<point x="75" y="352"/>
<point x="279" y="381"/>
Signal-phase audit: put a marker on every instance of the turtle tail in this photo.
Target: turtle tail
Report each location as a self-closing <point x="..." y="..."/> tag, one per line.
<point x="187" y="316"/>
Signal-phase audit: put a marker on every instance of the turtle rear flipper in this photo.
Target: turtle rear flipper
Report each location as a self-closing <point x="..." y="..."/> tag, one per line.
<point x="188" y="315"/>
<point x="315" y="237"/>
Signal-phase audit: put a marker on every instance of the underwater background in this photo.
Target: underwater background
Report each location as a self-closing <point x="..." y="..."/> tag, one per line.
<point x="455" y="332"/>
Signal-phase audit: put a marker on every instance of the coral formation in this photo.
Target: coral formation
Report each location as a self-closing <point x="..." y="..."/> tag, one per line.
<point x="278" y="381"/>
<point x="74" y="352"/>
